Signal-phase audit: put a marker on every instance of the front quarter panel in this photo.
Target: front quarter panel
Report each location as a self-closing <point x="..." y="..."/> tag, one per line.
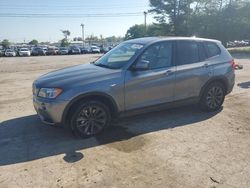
<point x="112" y="86"/>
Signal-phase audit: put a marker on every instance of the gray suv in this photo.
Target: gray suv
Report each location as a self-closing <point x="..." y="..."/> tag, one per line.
<point x="136" y="76"/>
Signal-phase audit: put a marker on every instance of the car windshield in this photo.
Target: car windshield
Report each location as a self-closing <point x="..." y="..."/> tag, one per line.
<point x="119" y="56"/>
<point x="24" y="49"/>
<point x="63" y="48"/>
<point x="9" y="50"/>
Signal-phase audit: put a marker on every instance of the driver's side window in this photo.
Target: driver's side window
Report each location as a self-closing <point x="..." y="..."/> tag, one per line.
<point x="158" y="55"/>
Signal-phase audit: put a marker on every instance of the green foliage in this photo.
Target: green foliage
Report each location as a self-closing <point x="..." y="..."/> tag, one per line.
<point x="239" y="50"/>
<point x="5" y="43"/>
<point x="33" y="42"/>
<point x="77" y="39"/>
<point x="138" y="31"/>
<point x="224" y="20"/>
<point x="174" y="12"/>
<point x="64" y="42"/>
<point x="66" y="33"/>
<point x="135" y="31"/>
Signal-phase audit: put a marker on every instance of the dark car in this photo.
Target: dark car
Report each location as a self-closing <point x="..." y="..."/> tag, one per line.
<point x="74" y="50"/>
<point x="104" y="49"/>
<point x="85" y="50"/>
<point x="1" y="53"/>
<point x="38" y="51"/>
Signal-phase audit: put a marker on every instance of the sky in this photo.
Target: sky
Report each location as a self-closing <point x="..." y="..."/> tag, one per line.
<point x="70" y="15"/>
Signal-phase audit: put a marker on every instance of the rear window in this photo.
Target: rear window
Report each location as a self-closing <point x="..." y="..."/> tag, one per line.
<point x="188" y="52"/>
<point x="212" y="49"/>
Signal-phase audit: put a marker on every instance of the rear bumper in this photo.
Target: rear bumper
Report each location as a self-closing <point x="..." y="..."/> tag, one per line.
<point x="49" y="111"/>
<point x="231" y="83"/>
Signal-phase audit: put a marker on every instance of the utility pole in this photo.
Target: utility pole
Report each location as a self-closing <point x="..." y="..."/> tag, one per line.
<point x="145" y="19"/>
<point x="83" y="40"/>
<point x="145" y="22"/>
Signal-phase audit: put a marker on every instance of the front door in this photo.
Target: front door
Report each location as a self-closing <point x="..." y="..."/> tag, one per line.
<point x="155" y="85"/>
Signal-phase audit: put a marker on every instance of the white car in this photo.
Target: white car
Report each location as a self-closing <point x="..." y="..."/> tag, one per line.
<point x="9" y="53"/>
<point x="95" y="49"/>
<point x="24" y="52"/>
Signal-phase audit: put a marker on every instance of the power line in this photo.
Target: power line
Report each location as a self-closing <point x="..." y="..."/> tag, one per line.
<point x="69" y="15"/>
<point x="68" y="7"/>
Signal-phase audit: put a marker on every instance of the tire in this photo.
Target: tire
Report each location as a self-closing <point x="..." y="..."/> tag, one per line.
<point x="213" y="97"/>
<point x="89" y="119"/>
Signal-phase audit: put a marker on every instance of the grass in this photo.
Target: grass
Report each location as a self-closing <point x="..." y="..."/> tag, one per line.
<point x="244" y="50"/>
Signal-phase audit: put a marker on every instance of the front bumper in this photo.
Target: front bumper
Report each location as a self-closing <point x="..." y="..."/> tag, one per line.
<point x="49" y="111"/>
<point x="24" y="54"/>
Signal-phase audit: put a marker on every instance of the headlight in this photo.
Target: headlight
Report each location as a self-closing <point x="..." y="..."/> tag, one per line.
<point x="50" y="93"/>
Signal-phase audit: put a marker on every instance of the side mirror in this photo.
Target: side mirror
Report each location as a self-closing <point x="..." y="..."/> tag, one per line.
<point x="142" y="65"/>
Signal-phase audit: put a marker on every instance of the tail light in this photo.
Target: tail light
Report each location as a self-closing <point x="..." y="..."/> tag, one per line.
<point x="233" y="64"/>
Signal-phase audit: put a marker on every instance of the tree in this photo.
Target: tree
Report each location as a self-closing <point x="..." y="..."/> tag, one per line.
<point x="135" y="31"/>
<point x="33" y="42"/>
<point x="5" y="43"/>
<point x="224" y="20"/>
<point x="66" y="33"/>
<point x="64" y="42"/>
<point x="174" y="12"/>
<point x="138" y="31"/>
<point x="77" y="39"/>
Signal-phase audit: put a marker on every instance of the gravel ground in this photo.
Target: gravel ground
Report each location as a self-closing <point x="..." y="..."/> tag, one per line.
<point x="181" y="147"/>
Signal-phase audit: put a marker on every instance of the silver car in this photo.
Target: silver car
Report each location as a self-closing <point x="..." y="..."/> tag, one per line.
<point x="136" y="76"/>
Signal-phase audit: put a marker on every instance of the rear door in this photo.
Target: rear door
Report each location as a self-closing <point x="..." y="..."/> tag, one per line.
<point x="155" y="85"/>
<point x="192" y="71"/>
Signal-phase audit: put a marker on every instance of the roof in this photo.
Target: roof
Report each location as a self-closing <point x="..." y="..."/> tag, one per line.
<point x="147" y="40"/>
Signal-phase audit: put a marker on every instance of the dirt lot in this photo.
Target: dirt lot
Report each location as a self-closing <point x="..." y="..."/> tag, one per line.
<point x="175" y="148"/>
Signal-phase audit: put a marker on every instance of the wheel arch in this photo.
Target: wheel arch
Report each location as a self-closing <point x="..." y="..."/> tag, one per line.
<point x="220" y="79"/>
<point x="99" y="96"/>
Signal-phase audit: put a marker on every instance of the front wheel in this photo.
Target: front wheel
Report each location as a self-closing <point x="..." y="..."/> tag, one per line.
<point x="90" y="118"/>
<point x="213" y="97"/>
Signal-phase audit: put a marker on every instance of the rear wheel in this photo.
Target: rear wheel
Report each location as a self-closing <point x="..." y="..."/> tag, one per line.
<point x="90" y="118"/>
<point x="213" y="97"/>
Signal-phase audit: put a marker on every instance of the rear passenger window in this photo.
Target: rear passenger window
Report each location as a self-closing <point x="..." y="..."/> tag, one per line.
<point x="212" y="49"/>
<point x="187" y="52"/>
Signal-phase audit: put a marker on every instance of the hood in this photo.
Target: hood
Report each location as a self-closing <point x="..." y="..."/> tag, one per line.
<point x="76" y="75"/>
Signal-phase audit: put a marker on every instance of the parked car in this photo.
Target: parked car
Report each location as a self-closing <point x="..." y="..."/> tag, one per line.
<point x="74" y="50"/>
<point x="10" y="53"/>
<point x="52" y="51"/>
<point x="38" y="51"/>
<point x="85" y="50"/>
<point x="63" y="51"/>
<point x="1" y="53"/>
<point x="95" y="50"/>
<point x="24" y="52"/>
<point x="136" y="76"/>
<point x="104" y="49"/>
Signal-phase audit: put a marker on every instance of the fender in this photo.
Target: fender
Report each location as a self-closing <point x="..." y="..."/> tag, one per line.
<point x="86" y="95"/>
